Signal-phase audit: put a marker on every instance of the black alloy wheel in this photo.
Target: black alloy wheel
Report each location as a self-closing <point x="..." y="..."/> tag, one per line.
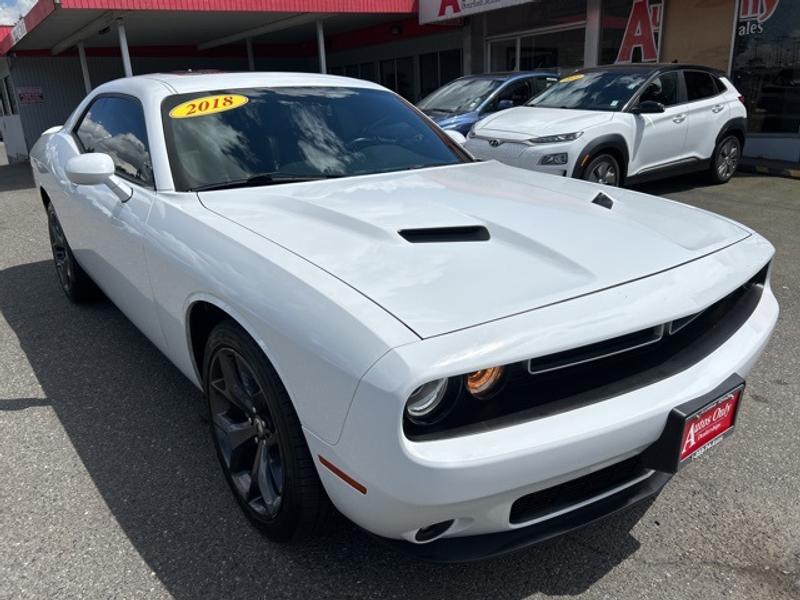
<point x="603" y="169"/>
<point x="76" y="284"/>
<point x="259" y="439"/>
<point x="245" y="433"/>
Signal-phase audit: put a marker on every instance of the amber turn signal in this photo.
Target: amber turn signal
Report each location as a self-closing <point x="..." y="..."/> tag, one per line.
<point x="482" y="383"/>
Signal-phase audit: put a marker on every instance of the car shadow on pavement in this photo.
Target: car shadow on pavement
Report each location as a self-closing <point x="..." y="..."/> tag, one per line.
<point x="15" y="177"/>
<point x="680" y="183"/>
<point x="132" y="419"/>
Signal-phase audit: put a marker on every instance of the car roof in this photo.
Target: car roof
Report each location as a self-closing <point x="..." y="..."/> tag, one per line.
<point x="509" y="75"/>
<point x="165" y="84"/>
<point x="650" y="67"/>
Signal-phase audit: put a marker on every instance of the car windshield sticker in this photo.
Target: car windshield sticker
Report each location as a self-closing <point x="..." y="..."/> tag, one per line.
<point x="614" y="103"/>
<point x="572" y="78"/>
<point x="207" y="105"/>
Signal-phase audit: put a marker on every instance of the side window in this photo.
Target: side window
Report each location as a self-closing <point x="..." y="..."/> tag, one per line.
<point x="663" y="89"/>
<point x="699" y="85"/>
<point x="540" y="84"/>
<point x="518" y="92"/>
<point x="115" y="125"/>
<point x="721" y="87"/>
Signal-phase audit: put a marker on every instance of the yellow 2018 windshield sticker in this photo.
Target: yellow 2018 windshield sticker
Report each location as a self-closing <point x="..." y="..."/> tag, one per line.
<point x="571" y="78"/>
<point x="207" y="105"/>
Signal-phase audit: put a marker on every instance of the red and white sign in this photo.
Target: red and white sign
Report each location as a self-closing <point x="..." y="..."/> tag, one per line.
<point x="757" y="10"/>
<point x="706" y="428"/>
<point x="753" y="14"/>
<point x="642" y="32"/>
<point x="30" y="95"/>
<point x="431" y="11"/>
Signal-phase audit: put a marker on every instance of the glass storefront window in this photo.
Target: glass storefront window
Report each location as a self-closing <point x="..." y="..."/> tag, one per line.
<point x="557" y="49"/>
<point x="766" y="65"/>
<point x="503" y="55"/>
<point x="437" y="69"/>
<point x="397" y="74"/>
<point x="537" y="35"/>
<point x="550" y="13"/>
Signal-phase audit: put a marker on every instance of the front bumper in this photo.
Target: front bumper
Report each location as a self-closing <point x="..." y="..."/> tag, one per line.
<point x="525" y="155"/>
<point x="475" y="479"/>
<point x="479" y="547"/>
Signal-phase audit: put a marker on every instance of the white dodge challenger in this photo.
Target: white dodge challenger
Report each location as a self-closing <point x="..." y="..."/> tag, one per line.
<point x="462" y="357"/>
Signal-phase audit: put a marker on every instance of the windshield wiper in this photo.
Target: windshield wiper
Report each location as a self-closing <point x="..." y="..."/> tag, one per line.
<point x="259" y="180"/>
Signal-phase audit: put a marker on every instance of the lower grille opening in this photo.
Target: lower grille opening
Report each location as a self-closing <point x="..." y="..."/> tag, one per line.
<point x="559" y="497"/>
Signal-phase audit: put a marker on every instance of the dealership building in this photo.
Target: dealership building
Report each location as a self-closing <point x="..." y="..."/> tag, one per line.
<point x="62" y="49"/>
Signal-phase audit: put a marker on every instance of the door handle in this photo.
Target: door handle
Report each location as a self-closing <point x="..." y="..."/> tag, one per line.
<point x="679" y="119"/>
<point x="717" y="108"/>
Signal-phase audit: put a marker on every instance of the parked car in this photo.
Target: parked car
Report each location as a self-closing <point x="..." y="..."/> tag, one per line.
<point x="463" y="356"/>
<point x="622" y="124"/>
<point x="458" y="105"/>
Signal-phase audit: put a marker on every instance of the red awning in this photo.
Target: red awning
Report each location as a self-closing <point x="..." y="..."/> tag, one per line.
<point x="44" y="11"/>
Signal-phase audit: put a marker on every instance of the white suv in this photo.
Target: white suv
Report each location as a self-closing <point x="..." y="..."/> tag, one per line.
<point x="622" y="124"/>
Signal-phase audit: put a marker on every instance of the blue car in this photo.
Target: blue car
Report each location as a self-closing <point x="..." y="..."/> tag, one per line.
<point x="461" y="103"/>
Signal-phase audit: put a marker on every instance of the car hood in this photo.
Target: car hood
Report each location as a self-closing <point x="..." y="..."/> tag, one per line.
<point x="445" y="119"/>
<point x="548" y="242"/>
<point x="524" y="122"/>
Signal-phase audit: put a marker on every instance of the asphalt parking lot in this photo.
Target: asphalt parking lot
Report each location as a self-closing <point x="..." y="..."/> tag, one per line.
<point x="109" y="486"/>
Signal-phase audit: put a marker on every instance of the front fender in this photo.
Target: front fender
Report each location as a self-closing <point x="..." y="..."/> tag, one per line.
<point x="613" y="141"/>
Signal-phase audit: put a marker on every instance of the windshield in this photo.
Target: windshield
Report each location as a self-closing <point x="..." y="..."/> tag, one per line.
<point x="461" y="95"/>
<point x="264" y="136"/>
<point x="593" y="90"/>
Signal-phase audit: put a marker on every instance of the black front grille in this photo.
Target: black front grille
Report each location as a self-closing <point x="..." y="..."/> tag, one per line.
<point x="550" y="500"/>
<point x="560" y="382"/>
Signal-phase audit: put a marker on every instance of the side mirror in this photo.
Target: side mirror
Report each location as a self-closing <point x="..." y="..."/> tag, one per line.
<point x="456" y="136"/>
<point x="648" y="107"/>
<point x="90" y="169"/>
<point x="96" y="168"/>
<point x="504" y="104"/>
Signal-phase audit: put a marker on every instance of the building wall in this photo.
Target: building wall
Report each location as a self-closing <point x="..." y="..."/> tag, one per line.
<point x="61" y="81"/>
<point x="698" y="31"/>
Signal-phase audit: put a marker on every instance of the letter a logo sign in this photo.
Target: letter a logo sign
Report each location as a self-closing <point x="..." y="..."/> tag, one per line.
<point x="638" y="34"/>
<point x="451" y="4"/>
<point x="690" y="441"/>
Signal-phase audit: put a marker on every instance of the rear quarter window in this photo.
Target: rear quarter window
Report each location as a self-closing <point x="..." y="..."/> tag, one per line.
<point x="699" y="85"/>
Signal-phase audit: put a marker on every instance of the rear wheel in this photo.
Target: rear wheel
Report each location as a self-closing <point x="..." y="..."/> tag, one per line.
<point x="604" y="169"/>
<point x="258" y="438"/>
<point x="77" y="285"/>
<point x="725" y="159"/>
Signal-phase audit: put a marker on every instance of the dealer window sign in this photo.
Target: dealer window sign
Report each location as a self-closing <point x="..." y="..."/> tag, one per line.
<point x="431" y="11"/>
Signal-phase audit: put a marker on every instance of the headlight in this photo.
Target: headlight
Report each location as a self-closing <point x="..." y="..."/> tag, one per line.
<point x="554" y="139"/>
<point x="555" y="159"/>
<point x="426" y="404"/>
<point x="481" y="384"/>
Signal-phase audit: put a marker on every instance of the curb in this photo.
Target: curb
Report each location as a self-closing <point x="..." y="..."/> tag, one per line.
<point x="772" y="171"/>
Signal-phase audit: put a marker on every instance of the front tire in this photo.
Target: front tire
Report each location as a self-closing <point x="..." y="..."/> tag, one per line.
<point x="604" y="169"/>
<point x="259" y="440"/>
<point x="725" y="159"/>
<point x="77" y="285"/>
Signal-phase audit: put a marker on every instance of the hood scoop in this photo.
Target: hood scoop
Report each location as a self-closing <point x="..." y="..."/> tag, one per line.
<point x="434" y="235"/>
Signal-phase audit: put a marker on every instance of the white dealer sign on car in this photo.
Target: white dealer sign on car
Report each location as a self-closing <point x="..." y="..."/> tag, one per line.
<point x="431" y="11"/>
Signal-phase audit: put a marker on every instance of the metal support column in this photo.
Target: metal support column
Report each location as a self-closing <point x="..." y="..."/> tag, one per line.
<point x="323" y="67"/>
<point x="87" y="83"/>
<point x="123" y="47"/>
<point x="251" y="62"/>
